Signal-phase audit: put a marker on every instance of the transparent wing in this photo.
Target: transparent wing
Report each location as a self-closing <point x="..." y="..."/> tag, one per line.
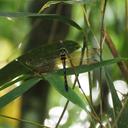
<point x="52" y="63"/>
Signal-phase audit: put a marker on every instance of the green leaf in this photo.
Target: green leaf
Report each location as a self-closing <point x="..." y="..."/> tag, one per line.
<point x="43" y="17"/>
<point x="46" y="54"/>
<point x="10" y="71"/>
<point x="87" y="68"/>
<point x="58" y="83"/>
<point x="18" y="91"/>
<point x="20" y="78"/>
<point x="116" y="102"/>
<point x="122" y="118"/>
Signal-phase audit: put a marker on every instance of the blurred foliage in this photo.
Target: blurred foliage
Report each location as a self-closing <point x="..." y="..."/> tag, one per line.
<point x="14" y="32"/>
<point x="13" y="29"/>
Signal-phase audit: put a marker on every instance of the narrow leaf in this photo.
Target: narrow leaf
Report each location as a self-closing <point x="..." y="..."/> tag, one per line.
<point x="43" y="17"/>
<point x="18" y="91"/>
<point x="116" y="102"/>
<point x="58" y="83"/>
<point x="10" y="71"/>
<point x="87" y="68"/>
<point x="20" y="78"/>
<point x="122" y="118"/>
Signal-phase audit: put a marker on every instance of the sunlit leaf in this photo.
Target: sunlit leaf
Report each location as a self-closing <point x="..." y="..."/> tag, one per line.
<point x="18" y="91"/>
<point x="10" y="71"/>
<point x="20" y="78"/>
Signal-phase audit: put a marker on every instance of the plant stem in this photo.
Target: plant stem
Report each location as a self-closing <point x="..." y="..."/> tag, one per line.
<point x="123" y="67"/>
<point x="126" y="16"/>
<point x="62" y="114"/>
<point x="103" y="8"/>
<point x="86" y="21"/>
<point x="54" y="25"/>
<point x="24" y="121"/>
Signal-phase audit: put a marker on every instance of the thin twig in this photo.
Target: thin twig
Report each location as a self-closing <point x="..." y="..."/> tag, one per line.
<point x="89" y="26"/>
<point x="126" y="16"/>
<point x="54" y="25"/>
<point x="62" y="114"/>
<point x="101" y="44"/>
<point x="89" y="73"/>
<point x="76" y="75"/>
<point x="122" y="65"/>
<point x="24" y="121"/>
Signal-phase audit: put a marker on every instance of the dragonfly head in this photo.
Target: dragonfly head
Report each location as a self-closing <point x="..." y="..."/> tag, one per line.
<point x="69" y="45"/>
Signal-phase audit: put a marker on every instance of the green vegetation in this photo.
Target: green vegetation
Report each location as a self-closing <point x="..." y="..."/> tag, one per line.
<point x="95" y="47"/>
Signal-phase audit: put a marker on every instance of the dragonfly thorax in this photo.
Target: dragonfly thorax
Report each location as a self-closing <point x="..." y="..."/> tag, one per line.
<point x="63" y="53"/>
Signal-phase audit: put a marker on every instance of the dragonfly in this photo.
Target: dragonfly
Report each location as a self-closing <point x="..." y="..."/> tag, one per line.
<point x="58" y="59"/>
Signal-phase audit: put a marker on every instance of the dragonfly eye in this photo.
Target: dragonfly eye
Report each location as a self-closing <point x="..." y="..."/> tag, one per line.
<point x="62" y="51"/>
